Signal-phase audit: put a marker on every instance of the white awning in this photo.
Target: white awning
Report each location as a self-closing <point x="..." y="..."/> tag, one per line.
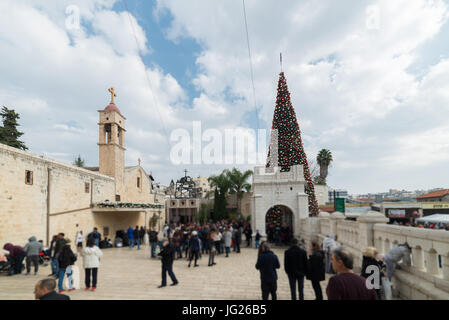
<point x="435" y="218"/>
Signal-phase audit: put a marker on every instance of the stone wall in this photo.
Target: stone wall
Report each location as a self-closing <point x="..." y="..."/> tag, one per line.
<point x="424" y="279"/>
<point x="24" y="207"/>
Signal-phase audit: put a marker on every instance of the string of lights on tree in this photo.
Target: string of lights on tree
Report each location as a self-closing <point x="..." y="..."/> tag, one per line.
<point x="290" y="149"/>
<point x="274" y="216"/>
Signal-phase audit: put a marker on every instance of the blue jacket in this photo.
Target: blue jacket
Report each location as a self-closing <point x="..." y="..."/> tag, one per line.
<point x="267" y="263"/>
<point x="130" y="233"/>
<point x="194" y="244"/>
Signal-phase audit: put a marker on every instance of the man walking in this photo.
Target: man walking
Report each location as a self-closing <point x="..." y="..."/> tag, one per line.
<point x="194" y="246"/>
<point x="96" y="236"/>
<point x="295" y="265"/>
<point x="136" y="234"/>
<point x="32" y="250"/>
<point x="167" y="253"/>
<point x="267" y="263"/>
<point x="347" y="285"/>
<point x="130" y="234"/>
<point x="142" y="235"/>
<point x="153" y="242"/>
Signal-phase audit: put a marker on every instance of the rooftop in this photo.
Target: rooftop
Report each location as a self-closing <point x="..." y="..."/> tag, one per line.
<point x="435" y="194"/>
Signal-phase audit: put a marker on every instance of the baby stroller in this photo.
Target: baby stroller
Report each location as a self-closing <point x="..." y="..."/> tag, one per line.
<point x="43" y="258"/>
<point x="5" y="267"/>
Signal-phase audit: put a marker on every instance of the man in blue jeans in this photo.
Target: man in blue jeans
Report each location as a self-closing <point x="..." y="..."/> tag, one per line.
<point x="130" y="234"/>
<point x="153" y="242"/>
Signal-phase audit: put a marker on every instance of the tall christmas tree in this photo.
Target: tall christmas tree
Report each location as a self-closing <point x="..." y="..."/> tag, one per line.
<point x="290" y="150"/>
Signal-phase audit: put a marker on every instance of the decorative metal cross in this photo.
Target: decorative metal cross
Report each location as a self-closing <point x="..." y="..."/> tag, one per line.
<point x="111" y="90"/>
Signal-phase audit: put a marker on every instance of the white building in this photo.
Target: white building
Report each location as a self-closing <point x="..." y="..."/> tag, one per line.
<point x="284" y="189"/>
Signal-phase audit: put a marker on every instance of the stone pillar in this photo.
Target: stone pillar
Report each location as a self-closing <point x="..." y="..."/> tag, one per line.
<point x="379" y="244"/>
<point x="432" y="262"/>
<point x="334" y="218"/>
<point x="101" y="135"/>
<point x="302" y="207"/>
<point x="445" y="262"/>
<point x="114" y="133"/>
<point x="322" y="216"/>
<point x="258" y="216"/>
<point x="366" y="222"/>
<point x="418" y="258"/>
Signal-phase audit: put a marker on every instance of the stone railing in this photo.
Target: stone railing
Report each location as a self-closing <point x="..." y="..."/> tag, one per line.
<point x="426" y="278"/>
<point x="428" y="275"/>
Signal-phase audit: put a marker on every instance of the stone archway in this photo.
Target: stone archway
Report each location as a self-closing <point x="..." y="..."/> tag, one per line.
<point x="279" y="224"/>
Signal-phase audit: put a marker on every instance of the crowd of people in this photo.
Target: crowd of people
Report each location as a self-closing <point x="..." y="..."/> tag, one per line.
<point x="192" y="241"/>
<point x="62" y="259"/>
<point x="423" y="225"/>
<point x="331" y="258"/>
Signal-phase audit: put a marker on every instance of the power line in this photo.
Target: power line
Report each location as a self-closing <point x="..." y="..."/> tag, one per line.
<point x="145" y="70"/>
<point x="250" y="63"/>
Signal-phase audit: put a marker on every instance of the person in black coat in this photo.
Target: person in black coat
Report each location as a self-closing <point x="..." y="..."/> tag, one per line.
<point x="167" y="253"/>
<point x="369" y="259"/>
<point x="267" y="263"/>
<point x="295" y="265"/>
<point x="45" y="290"/>
<point x="316" y="270"/>
<point x="65" y="259"/>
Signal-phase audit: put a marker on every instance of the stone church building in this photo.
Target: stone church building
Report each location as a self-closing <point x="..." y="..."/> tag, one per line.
<point x="42" y="197"/>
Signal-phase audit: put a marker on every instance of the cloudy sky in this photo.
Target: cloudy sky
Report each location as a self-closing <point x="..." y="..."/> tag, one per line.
<point x="369" y="79"/>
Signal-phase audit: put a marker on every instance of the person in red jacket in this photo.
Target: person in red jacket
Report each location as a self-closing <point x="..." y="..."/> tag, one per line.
<point x="16" y="254"/>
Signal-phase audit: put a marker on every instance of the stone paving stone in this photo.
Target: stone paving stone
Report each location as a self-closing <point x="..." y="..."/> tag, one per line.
<point x="130" y="274"/>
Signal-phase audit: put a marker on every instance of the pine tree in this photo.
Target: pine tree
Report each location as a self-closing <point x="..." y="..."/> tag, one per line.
<point x="290" y="149"/>
<point x="79" y="162"/>
<point x="9" y="134"/>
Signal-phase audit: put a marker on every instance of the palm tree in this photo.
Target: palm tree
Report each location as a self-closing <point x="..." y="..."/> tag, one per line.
<point x="239" y="185"/>
<point x="324" y="159"/>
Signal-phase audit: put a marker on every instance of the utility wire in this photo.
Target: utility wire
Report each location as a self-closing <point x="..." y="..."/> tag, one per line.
<point x="250" y="63"/>
<point x="145" y="70"/>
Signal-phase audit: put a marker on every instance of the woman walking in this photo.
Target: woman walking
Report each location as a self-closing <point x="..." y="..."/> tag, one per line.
<point x="66" y="259"/>
<point x="315" y="269"/>
<point x="227" y="236"/>
<point x="370" y="260"/>
<point x="213" y="249"/>
<point x="91" y="263"/>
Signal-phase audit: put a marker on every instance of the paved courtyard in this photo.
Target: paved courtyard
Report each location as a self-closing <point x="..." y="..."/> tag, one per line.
<point x="130" y="274"/>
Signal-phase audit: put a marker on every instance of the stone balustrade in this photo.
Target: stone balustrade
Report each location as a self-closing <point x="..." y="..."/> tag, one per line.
<point x="424" y="279"/>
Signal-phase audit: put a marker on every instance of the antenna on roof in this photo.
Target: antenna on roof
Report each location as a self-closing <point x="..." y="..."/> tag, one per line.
<point x="281" y="61"/>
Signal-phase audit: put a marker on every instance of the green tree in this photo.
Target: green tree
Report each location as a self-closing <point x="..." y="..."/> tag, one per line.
<point x="324" y="159"/>
<point x="79" y="162"/>
<point x="221" y="185"/>
<point x="203" y="215"/>
<point x="9" y="134"/>
<point x="239" y="185"/>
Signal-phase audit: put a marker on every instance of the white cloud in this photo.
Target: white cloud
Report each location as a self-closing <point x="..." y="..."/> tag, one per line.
<point x="350" y="85"/>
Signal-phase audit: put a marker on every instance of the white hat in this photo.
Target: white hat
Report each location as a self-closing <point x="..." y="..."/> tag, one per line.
<point x="194" y="233"/>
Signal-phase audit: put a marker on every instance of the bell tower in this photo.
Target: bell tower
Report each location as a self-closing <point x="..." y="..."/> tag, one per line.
<point x="112" y="144"/>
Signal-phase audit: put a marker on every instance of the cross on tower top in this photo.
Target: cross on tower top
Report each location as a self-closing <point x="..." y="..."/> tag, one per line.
<point x="112" y="91"/>
<point x="139" y="161"/>
<point x="185" y="171"/>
